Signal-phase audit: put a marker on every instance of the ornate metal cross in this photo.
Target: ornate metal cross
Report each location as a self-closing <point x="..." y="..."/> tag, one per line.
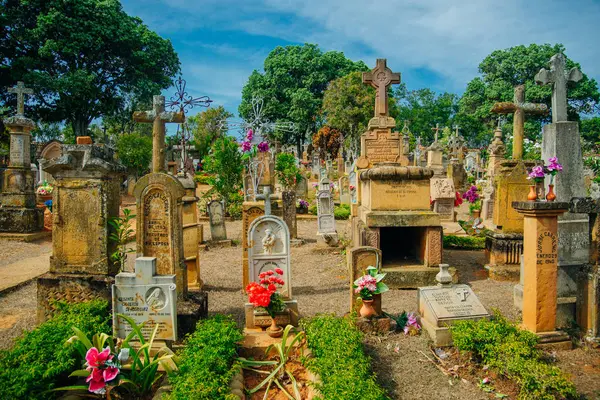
<point x="20" y="90"/>
<point x="520" y="109"/>
<point x="381" y="77"/>
<point x="158" y="117"/>
<point x="559" y="79"/>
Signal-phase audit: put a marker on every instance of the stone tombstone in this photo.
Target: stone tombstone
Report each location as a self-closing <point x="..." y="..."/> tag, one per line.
<point x="442" y="305"/>
<point x="216" y="215"/>
<point x="359" y="258"/>
<point x="159" y="225"/>
<point x="269" y="248"/>
<point x="443" y="195"/>
<point x="325" y="208"/>
<point x="352" y="186"/>
<point x="344" y="184"/>
<point x="85" y="197"/>
<point x="50" y="151"/>
<point x="250" y="212"/>
<point x="146" y="297"/>
<point x="193" y="231"/>
<point x="302" y="188"/>
<point x="316" y="164"/>
<point x="381" y="146"/>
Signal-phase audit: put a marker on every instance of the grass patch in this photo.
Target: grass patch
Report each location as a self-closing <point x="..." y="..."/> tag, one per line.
<point x="207" y="361"/>
<point x="340" y="360"/>
<point x="511" y="351"/>
<point x="464" y="242"/>
<point x="40" y="360"/>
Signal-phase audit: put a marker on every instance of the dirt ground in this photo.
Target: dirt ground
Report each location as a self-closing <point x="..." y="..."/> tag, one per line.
<point x="320" y="284"/>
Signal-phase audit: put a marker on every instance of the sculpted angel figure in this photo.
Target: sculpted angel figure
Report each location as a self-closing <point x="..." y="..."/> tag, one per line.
<point x="268" y="242"/>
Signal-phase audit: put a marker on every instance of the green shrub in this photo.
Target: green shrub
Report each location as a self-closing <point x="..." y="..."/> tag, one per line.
<point x="40" y="359"/>
<point x="312" y="209"/>
<point x="202" y="178"/>
<point x="464" y="242"/>
<point x="339" y="359"/>
<point x="207" y="361"/>
<point x="512" y="352"/>
<point x="342" y="211"/>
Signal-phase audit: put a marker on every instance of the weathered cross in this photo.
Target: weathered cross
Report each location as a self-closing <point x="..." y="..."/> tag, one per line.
<point x="456" y="143"/>
<point x="559" y="79"/>
<point x="417" y="152"/>
<point x="266" y="196"/>
<point x="158" y="117"/>
<point x="381" y="77"/>
<point x="462" y="294"/>
<point x="436" y="130"/>
<point x="519" y="108"/>
<point x="20" y="90"/>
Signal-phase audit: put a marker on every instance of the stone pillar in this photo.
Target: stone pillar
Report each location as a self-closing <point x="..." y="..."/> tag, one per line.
<point x="289" y="212"/>
<point x="540" y="261"/>
<point x="85" y="198"/>
<point x="434" y="160"/>
<point x="456" y="172"/>
<point x="192" y="233"/>
<point x="18" y="211"/>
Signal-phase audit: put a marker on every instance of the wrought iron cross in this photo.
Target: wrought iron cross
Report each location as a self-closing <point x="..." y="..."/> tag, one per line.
<point x="559" y="79"/>
<point x="20" y="90"/>
<point x="381" y="77"/>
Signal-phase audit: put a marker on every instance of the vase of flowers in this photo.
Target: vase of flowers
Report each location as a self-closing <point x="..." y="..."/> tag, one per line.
<point x="536" y="191"/>
<point x="366" y="287"/>
<point x="552" y="169"/>
<point x="44" y="192"/>
<point x="474" y="200"/>
<point x="302" y="206"/>
<point x="264" y="295"/>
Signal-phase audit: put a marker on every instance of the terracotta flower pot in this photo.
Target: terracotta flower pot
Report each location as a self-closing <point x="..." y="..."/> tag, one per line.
<point x="274" y="330"/>
<point x="476" y="213"/>
<point x="532" y="196"/>
<point x="550" y="196"/>
<point x="367" y="310"/>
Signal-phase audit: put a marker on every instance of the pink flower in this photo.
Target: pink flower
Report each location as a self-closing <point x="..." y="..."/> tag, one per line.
<point x="537" y="172"/>
<point x="96" y="380"/>
<point x="263" y="147"/>
<point x="366" y="282"/>
<point x="246" y="146"/>
<point x="249" y="135"/>
<point x="553" y="165"/>
<point x="110" y="373"/>
<point x="95" y="359"/>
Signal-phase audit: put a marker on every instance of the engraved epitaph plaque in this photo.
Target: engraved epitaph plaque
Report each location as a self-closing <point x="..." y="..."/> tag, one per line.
<point x="381" y="145"/>
<point x="157" y="241"/>
<point x="443" y="305"/>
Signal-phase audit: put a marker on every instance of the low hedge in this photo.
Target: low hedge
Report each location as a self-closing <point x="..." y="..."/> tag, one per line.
<point x="339" y="359"/>
<point x="342" y="211"/>
<point x="464" y="242"/>
<point x="207" y="362"/>
<point x="512" y="352"/>
<point x="40" y="360"/>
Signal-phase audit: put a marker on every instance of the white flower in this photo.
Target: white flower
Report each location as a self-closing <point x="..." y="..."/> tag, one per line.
<point x="123" y="355"/>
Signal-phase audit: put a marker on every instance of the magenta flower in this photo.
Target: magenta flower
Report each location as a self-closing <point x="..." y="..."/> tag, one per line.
<point x="94" y="358"/>
<point x="246" y="146"/>
<point x="412" y="326"/>
<point x="96" y="381"/>
<point x="249" y="135"/>
<point x="553" y="166"/>
<point x="537" y="173"/>
<point x="263" y="147"/>
<point x="471" y="195"/>
<point x="110" y="373"/>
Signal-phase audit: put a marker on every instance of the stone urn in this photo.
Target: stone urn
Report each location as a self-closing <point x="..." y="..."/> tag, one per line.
<point x="274" y="330"/>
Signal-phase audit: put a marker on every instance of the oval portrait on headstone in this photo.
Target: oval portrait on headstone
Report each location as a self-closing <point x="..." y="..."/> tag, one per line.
<point x="156" y="298"/>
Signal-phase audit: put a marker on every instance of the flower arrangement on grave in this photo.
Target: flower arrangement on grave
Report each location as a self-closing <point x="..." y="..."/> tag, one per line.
<point x="264" y="294"/>
<point x="45" y="189"/>
<point x="473" y="198"/>
<point x="302" y="206"/>
<point x="368" y="286"/>
<point x="538" y="175"/>
<point x="552" y="169"/>
<point x="412" y="327"/>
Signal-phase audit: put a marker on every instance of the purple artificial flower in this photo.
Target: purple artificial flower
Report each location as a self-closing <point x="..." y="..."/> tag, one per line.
<point x="554" y="166"/>
<point x="471" y="195"/>
<point x="246" y="146"/>
<point x="303" y="203"/>
<point x="249" y="135"/>
<point x="536" y="173"/>
<point x="263" y="147"/>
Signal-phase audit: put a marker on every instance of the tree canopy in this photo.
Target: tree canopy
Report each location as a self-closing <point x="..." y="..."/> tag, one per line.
<point x="292" y="86"/>
<point x="82" y="57"/>
<point x="206" y="128"/>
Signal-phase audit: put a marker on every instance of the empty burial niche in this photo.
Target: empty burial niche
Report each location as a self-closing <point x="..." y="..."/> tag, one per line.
<point x="402" y="246"/>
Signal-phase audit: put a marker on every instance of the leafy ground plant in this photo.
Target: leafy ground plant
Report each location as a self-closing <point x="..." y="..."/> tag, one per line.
<point x="122" y="233"/>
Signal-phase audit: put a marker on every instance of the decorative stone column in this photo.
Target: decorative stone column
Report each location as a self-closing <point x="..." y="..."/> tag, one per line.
<point x="289" y="212"/>
<point x="540" y="261"/>
<point x="85" y="197"/>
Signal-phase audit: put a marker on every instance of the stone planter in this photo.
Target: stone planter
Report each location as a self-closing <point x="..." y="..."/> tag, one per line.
<point x="301" y="210"/>
<point x="41" y="199"/>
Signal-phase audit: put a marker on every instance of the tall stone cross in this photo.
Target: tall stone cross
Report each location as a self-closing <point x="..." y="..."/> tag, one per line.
<point x="559" y="79"/>
<point x="266" y="196"/>
<point x="20" y="90"/>
<point x="381" y="77"/>
<point x="158" y="117"/>
<point x="520" y="109"/>
<point x="417" y="152"/>
<point x="436" y="130"/>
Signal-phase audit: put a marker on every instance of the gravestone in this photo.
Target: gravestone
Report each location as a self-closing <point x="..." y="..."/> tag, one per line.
<point x="85" y="197"/>
<point x="443" y="196"/>
<point x="216" y="215"/>
<point x="269" y="248"/>
<point x="358" y="259"/>
<point x="326" y="230"/>
<point x="146" y="297"/>
<point x="302" y="188"/>
<point x="344" y="184"/>
<point x="316" y="164"/>
<point x="193" y="231"/>
<point x="443" y="305"/>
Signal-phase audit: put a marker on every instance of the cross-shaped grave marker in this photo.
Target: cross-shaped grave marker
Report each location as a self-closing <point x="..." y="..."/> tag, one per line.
<point x="381" y="77"/>
<point x="20" y="90"/>
<point x="158" y="117"/>
<point x="462" y="294"/>
<point x="266" y="196"/>
<point x="436" y="130"/>
<point x="520" y="108"/>
<point x="559" y="78"/>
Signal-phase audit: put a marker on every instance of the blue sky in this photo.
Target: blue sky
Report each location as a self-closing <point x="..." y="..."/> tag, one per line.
<point x="436" y="44"/>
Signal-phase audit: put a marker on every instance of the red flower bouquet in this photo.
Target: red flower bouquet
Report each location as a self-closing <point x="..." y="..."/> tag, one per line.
<point x="264" y="294"/>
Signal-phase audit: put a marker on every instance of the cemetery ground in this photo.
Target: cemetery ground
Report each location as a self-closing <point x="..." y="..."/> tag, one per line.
<point x="405" y="365"/>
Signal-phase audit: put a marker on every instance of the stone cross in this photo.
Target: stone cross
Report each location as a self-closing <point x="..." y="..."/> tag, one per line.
<point x="266" y="196"/>
<point x="436" y="130"/>
<point x="456" y="144"/>
<point x="417" y="152"/>
<point x="20" y="90"/>
<point x="520" y="109"/>
<point x="462" y="294"/>
<point x="559" y="79"/>
<point x="158" y="117"/>
<point x="381" y="77"/>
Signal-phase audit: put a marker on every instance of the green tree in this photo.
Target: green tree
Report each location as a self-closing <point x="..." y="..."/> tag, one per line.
<point x="82" y="57"/>
<point x="424" y="109"/>
<point x="224" y="164"/>
<point x="287" y="171"/>
<point x="135" y="152"/>
<point x="292" y="86"/>
<point x="590" y="131"/>
<point x="500" y="72"/>
<point x="206" y="128"/>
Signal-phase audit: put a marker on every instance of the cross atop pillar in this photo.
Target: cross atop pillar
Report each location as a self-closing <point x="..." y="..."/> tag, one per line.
<point x="520" y="109"/>
<point x="436" y="130"/>
<point x="158" y="117"/>
<point x="381" y="77"/>
<point x="266" y="196"/>
<point x="559" y="78"/>
<point x="20" y="90"/>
